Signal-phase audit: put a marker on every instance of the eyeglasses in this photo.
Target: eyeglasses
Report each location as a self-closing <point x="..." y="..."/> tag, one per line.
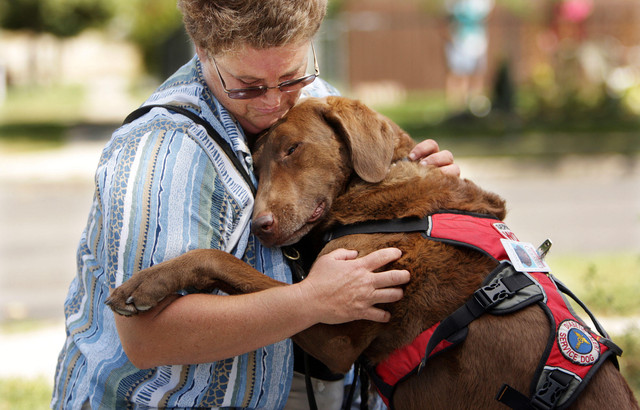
<point x="285" y="86"/>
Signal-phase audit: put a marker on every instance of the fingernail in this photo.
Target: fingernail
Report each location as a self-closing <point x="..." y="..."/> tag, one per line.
<point x="412" y="156"/>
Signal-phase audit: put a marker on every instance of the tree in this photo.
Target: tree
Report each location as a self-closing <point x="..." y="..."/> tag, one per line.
<point x="155" y="26"/>
<point x="62" y="18"/>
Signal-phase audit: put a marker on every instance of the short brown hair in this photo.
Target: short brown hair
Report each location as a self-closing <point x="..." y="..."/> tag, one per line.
<point x="221" y="26"/>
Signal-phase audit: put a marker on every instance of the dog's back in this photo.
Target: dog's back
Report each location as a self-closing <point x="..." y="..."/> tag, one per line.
<point x="442" y="276"/>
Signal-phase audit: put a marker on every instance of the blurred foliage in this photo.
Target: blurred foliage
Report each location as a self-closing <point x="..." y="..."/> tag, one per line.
<point x="629" y="342"/>
<point x="149" y="24"/>
<point x="608" y="284"/>
<point x="49" y="104"/>
<point x="422" y="115"/>
<point x="529" y="130"/>
<point x="334" y="7"/>
<point x="62" y="18"/>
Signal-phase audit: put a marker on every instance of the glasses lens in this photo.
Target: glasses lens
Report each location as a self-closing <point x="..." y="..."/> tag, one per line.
<point x="298" y="83"/>
<point x="246" y="93"/>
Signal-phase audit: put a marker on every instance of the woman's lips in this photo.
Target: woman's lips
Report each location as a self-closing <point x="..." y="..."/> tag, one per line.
<point x="269" y="111"/>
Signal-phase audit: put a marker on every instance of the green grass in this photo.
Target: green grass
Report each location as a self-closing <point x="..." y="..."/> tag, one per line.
<point x="11" y="327"/>
<point x="35" y="118"/>
<point x="31" y="136"/>
<point x="629" y="342"/>
<point x="24" y="394"/>
<point x="40" y="104"/>
<point x="608" y="283"/>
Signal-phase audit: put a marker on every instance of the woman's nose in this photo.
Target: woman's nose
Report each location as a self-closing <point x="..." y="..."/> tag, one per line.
<point x="272" y="97"/>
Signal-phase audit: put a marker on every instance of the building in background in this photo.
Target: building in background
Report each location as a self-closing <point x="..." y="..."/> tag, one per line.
<point x="381" y="50"/>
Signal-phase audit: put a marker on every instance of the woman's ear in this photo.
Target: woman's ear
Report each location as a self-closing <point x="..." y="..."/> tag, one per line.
<point x="202" y="53"/>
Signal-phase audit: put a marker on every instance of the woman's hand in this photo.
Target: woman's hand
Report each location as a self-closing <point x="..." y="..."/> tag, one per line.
<point x="428" y="153"/>
<point x="343" y="287"/>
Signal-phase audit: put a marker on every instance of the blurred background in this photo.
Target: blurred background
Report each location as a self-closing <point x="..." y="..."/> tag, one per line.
<point x="539" y="100"/>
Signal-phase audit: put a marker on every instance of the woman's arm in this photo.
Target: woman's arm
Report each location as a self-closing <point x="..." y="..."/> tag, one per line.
<point x="202" y="328"/>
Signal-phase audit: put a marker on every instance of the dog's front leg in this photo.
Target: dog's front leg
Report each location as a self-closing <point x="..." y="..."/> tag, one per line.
<point x="202" y="269"/>
<point x="338" y="346"/>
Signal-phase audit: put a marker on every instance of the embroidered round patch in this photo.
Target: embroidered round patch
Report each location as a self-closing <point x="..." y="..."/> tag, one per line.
<point x="577" y="344"/>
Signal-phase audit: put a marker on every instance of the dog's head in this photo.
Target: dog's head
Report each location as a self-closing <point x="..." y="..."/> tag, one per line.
<point x="305" y="161"/>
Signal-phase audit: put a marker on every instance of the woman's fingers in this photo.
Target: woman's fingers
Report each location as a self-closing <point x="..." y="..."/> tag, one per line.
<point x="428" y="153"/>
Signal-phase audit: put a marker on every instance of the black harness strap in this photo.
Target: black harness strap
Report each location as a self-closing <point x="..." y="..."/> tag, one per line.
<point x="380" y="226"/>
<point x="545" y="398"/>
<point x="482" y="301"/>
<point x="222" y="143"/>
<point x="513" y="398"/>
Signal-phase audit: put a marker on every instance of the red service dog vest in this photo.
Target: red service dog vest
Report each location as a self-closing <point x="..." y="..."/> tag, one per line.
<point x="574" y="352"/>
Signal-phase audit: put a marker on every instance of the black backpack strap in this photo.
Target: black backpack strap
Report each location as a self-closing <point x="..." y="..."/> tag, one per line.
<point x="222" y="143"/>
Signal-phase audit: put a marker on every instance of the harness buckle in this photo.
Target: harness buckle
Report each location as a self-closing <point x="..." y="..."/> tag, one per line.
<point x="492" y="294"/>
<point x="551" y="391"/>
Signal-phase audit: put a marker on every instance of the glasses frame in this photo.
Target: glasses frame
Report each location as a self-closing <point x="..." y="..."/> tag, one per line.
<point x="249" y="93"/>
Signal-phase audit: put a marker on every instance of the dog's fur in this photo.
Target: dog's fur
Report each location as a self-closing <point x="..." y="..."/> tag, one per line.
<point x="343" y="164"/>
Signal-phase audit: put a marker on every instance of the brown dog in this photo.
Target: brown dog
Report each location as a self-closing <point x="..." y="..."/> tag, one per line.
<point x="343" y="164"/>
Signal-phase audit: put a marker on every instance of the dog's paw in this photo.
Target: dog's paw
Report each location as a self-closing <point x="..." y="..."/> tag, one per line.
<point x="129" y="307"/>
<point x="120" y="308"/>
<point x="135" y="296"/>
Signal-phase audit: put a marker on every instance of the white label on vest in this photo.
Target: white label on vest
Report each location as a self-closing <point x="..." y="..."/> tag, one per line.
<point x="524" y="257"/>
<point x="504" y="230"/>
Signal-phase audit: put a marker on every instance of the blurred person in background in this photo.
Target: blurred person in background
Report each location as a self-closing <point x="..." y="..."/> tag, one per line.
<point x="163" y="188"/>
<point x="466" y="52"/>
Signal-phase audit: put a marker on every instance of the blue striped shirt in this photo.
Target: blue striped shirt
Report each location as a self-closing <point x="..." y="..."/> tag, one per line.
<point x="162" y="188"/>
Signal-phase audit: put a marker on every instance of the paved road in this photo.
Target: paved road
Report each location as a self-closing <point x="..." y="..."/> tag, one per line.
<point x="585" y="205"/>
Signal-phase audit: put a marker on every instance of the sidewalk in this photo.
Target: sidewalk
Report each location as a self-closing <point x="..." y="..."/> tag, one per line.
<point x="31" y="354"/>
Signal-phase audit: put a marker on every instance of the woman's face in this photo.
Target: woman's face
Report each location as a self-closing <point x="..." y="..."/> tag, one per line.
<point x="252" y="67"/>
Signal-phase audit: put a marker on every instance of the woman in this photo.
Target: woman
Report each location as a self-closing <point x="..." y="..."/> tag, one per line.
<point x="163" y="188"/>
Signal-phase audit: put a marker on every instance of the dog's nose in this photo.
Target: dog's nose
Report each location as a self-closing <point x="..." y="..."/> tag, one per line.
<point x="263" y="224"/>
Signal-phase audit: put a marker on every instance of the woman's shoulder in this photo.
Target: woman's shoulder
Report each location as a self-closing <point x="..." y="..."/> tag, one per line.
<point x="319" y="88"/>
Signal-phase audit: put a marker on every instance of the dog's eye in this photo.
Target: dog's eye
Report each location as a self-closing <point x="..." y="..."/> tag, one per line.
<point x="292" y="149"/>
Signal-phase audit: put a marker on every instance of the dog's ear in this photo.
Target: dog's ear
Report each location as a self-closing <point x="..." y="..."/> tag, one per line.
<point x="369" y="136"/>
